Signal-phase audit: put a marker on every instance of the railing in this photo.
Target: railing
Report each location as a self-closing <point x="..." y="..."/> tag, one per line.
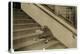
<point x="58" y="19"/>
<point x="68" y="14"/>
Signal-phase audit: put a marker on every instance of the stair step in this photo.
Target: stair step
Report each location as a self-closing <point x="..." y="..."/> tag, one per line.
<point x="18" y="15"/>
<point x="56" y="46"/>
<point x="21" y="16"/>
<point x="20" y="39"/>
<point x="23" y="29"/>
<point x="23" y="21"/>
<point x="25" y="25"/>
<point x="27" y="43"/>
<point x="26" y="36"/>
<point x="40" y="45"/>
<point x="17" y="11"/>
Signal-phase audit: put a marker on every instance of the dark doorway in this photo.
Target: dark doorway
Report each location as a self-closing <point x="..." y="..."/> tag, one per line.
<point x="17" y="5"/>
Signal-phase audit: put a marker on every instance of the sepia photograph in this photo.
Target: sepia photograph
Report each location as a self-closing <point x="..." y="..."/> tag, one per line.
<point x="43" y="26"/>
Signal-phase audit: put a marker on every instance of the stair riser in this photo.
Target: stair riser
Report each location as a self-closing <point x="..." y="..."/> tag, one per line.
<point x="18" y="11"/>
<point x="19" y="41"/>
<point x="36" y="46"/>
<point x="23" y="21"/>
<point x="25" y="26"/>
<point x="23" y="32"/>
<point x="26" y="31"/>
<point x="36" y="36"/>
<point x="56" y="46"/>
<point x="28" y="44"/>
<point x="21" y="15"/>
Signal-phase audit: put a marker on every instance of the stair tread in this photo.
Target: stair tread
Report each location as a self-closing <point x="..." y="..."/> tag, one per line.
<point x="25" y="36"/>
<point x="31" y="28"/>
<point x="15" y="9"/>
<point x="24" y="32"/>
<point x="26" y="24"/>
<point x="56" y="46"/>
<point x="23" y="21"/>
<point x="41" y="45"/>
<point x="21" y="17"/>
<point x="27" y="43"/>
<point x="18" y="11"/>
<point x="23" y="39"/>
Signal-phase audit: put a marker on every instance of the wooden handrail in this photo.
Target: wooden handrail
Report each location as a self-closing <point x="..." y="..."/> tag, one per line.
<point x="58" y="19"/>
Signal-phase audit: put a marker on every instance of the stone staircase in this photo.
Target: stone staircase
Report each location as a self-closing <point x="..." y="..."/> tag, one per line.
<point x="29" y="35"/>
